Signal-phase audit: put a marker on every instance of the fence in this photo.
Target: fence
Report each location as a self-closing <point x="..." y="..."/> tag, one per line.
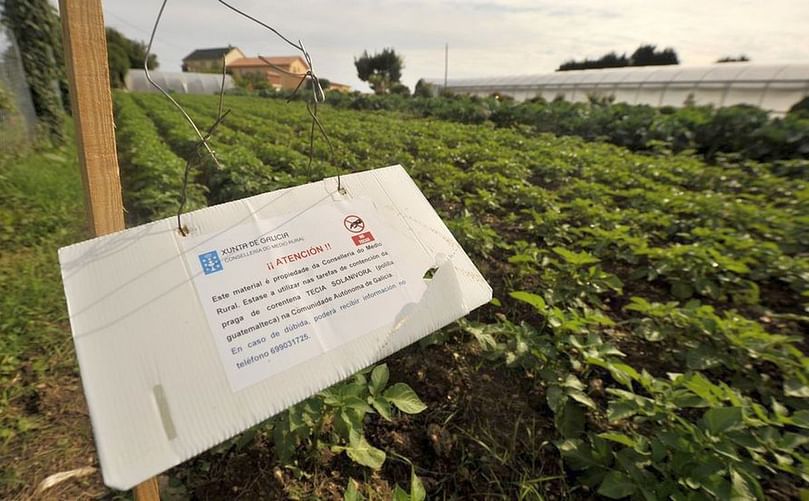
<point x="17" y="117"/>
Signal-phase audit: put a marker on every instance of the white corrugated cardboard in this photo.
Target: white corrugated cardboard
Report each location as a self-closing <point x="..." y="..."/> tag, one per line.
<point x="166" y="368"/>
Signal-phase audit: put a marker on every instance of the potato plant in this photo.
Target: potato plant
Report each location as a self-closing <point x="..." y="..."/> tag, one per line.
<point x="658" y="303"/>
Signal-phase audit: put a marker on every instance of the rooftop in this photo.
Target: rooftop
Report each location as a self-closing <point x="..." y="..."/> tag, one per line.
<point x="206" y="54"/>
<point x="715" y="73"/>
<point x="251" y="62"/>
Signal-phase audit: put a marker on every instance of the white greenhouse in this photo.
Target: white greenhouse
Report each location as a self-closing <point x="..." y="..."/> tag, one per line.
<point x="773" y="87"/>
<point x="179" y="82"/>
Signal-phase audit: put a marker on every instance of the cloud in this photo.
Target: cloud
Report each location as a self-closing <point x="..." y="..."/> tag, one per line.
<point x="486" y="38"/>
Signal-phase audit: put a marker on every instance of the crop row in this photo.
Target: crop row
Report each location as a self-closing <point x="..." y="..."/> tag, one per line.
<point x="658" y="301"/>
<point x="742" y="130"/>
<point x="151" y="174"/>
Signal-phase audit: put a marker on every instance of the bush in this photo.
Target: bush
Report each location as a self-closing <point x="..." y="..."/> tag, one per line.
<point x="729" y="129"/>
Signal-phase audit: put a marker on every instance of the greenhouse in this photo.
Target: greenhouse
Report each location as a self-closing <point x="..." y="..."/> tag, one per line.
<point x="179" y="82"/>
<point x="769" y="86"/>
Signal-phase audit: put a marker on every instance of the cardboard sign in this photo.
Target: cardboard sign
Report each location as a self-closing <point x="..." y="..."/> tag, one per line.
<point x="283" y="290"/>
<point x="183" y="342"/>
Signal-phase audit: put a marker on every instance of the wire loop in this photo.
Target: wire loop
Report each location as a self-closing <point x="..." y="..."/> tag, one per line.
<point x="318" y="96"/>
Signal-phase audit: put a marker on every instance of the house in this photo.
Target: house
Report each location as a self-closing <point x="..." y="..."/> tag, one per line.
<point x="282" y="72"/>
<point x="210" y="60"/>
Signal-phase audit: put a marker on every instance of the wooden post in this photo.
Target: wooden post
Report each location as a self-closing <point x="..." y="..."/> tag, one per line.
<point x="85" y="46"/>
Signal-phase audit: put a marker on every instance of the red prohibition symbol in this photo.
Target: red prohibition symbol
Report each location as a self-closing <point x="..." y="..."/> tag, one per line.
<point x="354" y="224"/>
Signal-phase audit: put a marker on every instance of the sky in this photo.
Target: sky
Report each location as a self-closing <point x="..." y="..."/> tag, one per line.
<point x="485" y="38"/>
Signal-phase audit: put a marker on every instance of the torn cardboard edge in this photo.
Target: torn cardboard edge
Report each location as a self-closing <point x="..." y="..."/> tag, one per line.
<point x="151" y="373"/>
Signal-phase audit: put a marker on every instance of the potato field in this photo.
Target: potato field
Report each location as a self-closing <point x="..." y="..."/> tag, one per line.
<point x="647" y="338"/>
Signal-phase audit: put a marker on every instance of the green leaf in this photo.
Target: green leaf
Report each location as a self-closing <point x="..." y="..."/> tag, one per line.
<point x="577" y="454"/>
<point x="702" y="357"/>
<point x="417" y="492"/>
<point x="681" y="290"/>
<point x="621" y="409"/>
<point x="740" y="490"/>
<point x="801" y="419"/>
<point x="722" y="419"/>
<point x="360" y="451"/>
<point x="582" y="398"/>
<point x="400" y="494"/>
<point x="620" y="438"/>
<point x="570" y="421"/>
<point x="356" y="404"/>
<point x="534" y="300"/>
<point x="616" y="485"/>
<point x="352" y="493"/>
<point x="556" y="398"/>
<point x="382" y="406"/>
<point x="614" y="282"/>
<point x="576" y="258"/>
<point x="623" y="373"/>
<point x="379" y="379"/>
<point x="347" y="421"/>
<point x="404" y="398"/>
<point x="486" y="340"/>
<point x="794" y="388"/>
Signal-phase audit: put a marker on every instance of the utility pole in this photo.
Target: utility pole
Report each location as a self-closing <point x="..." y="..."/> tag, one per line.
<point x="446" y="64"/>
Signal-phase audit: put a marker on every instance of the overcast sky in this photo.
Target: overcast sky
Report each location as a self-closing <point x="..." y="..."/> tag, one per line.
<point x="486" y="38"/>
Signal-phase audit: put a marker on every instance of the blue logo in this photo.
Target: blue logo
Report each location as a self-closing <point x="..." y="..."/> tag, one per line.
<point x="210" y="262"/>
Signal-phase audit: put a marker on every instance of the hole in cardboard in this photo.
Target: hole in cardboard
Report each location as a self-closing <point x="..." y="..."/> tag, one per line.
<point x="428" y="275"/>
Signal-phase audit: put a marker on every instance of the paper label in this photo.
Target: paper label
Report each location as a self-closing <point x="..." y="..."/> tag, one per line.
<point x="277" y="292"/>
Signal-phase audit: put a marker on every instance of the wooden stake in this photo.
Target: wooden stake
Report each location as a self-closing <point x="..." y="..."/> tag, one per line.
<point x="85" y="46"/>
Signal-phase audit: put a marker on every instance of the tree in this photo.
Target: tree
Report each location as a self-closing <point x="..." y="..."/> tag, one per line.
<point x="35" y="27"/>
<point x="733" y="59"/>
<point x="610" y="60"/>
<point x="645" y="55"/>
<point x="400" y="89"/>
<point x="423" y="89"/>
<point x="381" y="70"/>
<point x="123" y="54"/>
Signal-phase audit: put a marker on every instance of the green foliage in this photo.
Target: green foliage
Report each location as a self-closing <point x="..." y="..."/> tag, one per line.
<point x="657" y="303"/>
<point x="801" y="108"/>
<point x="35" y="26"/>
<point x="255" y="82"/>
<point x="151" y="174"/>
<point x="6" y="103"/>
<point x="733" y="59"/>
<point x="40" y="210"/>
<point x="400" y="89"/>
<point x="731" y="134"/>
<point x="13" y="129"/>
<point x="423" y="89"/>
<point x="381" y="70"/>
<point x="335" y="417"/>
<point x="123" y="54"/>
<point x="645" y="55"/>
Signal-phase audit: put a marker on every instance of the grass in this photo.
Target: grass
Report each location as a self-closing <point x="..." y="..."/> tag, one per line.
<point x="44" y="427"/>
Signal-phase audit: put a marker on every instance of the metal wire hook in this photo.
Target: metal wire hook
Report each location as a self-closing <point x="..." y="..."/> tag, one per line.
<point x="166" y="94"/>
<point x="318" y="95"/>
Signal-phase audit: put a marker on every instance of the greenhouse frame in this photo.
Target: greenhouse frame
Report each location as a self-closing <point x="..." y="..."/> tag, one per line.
<point x="773" y="87"/>
<point x="179" y="82"/>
